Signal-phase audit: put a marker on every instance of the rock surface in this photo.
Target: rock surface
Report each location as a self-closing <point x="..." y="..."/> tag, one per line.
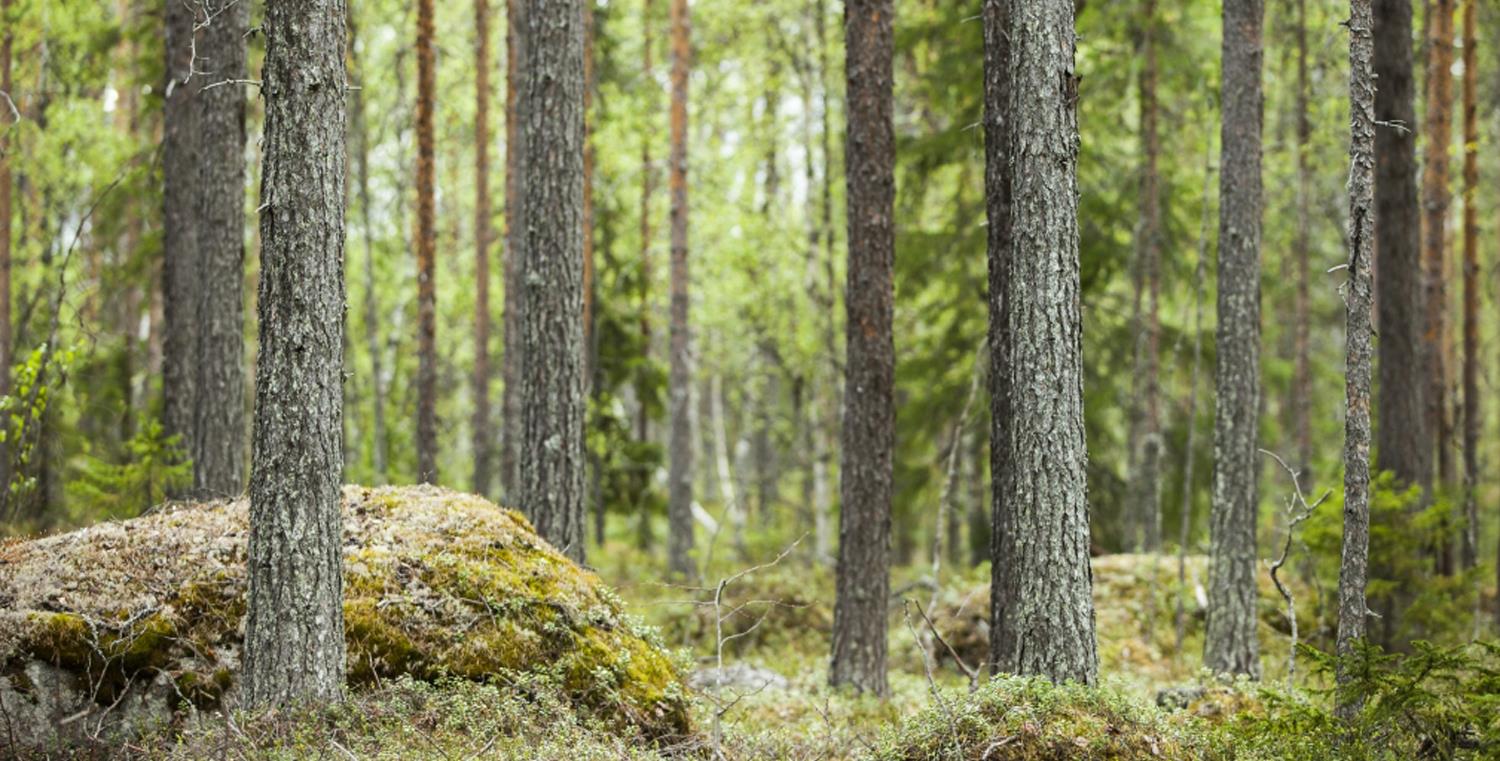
<point x="123" y="624"/>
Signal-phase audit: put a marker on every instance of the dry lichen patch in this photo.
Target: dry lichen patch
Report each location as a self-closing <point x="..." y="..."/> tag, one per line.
<point x="436" y="583"/>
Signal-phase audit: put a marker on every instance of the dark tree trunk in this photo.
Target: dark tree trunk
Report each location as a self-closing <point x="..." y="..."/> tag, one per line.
<point x="1403" y="443"/>
<point x="552" y="464"/>
<point x="1358" y="344"/>
<point x="179" y="273"/>
<point x="1472" y="421"/>
<point x="218" y="444"/>
<point x="427" y="422"/>
<point x="483" y="432"/>
<point x="680" y="382"/>
<point x="997" y="179"/>
<point x="294" y="630"/>
<point x="1435" y="200"/>
<point x="865" y="471"/>
<point x="515" y="240"/>
<point x="1230" y="645"/>
<point x="1145" y="484"/>
<point x="1301" y="396"/>
<point x="1044" y="613"/>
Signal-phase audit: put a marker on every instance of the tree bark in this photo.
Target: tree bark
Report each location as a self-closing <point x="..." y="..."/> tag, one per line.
<point x="218" y="443"/>
<point x="1145" y="485"/>
<point x="427" y="422"/>
<point x="1044" y="614"/>
<point x="1435" y="198"/>
<point x="680" y="454"/>
<point x="294" y="631"/>
<point x="1472" y="421"/>
<point x="1231" y="645"/>
<point x="483" y="432"/>
<point x="179" y="274"/>
<point x="1301" y="400"/>
<point x="1358" y="344"/>
<point x="1403" y="444"/>
<point x="515" y="239"/>
<point x="552" y="385"/>
<point x="868" y="431"/>
<point x="997" y="180"/>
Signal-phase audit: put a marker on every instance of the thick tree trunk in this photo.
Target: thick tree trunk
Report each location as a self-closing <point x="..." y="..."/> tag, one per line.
<point x="1403" y="443"/>
<point x="179" y="274"/>
<point x="1358" y="344"/>
<point x="427" y="422"/>
<point x="483" y="431"/>
<point x="1472" y="421"/>
<point x="868" y="432"/>
<point x="294" y="630"/>
<point x="1231" y="645"/>
<point x="1044" y="614"/>
<point x="1301" y="392"/>
<point x="679" y="383"/>
<point x="515" y="240"/>
<point x="588" y="195"/>
<point x="1145" y="484"/>
<point x="997" y="185"/>
<point x="1435" y="200"/>
<point x="218" y="443"/>
<point x="552" y="401"/>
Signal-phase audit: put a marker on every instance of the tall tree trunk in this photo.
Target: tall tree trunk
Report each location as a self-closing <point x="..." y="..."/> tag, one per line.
<point x="1145" y="486"/>
<point x="1472" y="421"/>
<point x="483" y="432"/>
<point x="868" y="432"/>
<point x="179" y="274"/>
<point x="680" y="489"/>
<point x="1403" y="444"/>
<point x="648" y="190"/>
<point x="1231" y="645"/>
<point x="552" y="385"/>
<point x="588" y="193"/>
<point x="832" y="408"/>
<point x="294" y="630"/>
<point x="218" y="443"/>
<point x="995" y="15"/>
<point x="1435" y="198"/>
<point x="1044" y="617"/>
<point x="7" y="40"/>
<point x="361" y="132"/>
<point x="426" y="253"/>
<point x="1358" y="343"/>
<point x="515" y="240"/>
<point x="1301" y="394"/>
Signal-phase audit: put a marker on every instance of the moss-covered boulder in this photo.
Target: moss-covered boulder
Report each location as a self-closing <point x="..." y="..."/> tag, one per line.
<point x="131" y="622"/>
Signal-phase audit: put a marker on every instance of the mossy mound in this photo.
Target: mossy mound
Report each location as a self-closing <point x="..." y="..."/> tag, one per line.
<point x="436" y="584"/>
<point x="1019" y="719"/>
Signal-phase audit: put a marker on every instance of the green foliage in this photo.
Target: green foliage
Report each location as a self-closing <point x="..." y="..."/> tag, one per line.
<point x="155" y="465"/>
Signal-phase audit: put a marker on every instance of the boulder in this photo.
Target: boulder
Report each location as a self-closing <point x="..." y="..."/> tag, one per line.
<point x="121" y="625"/>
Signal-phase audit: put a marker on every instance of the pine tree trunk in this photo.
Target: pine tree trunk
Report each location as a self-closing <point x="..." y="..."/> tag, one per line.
<point x="179" y="274"/>
<point x="515" y="239"/>
<point x="218" y="443"/>
<point x="1231" y="645"/>
<point x="426" y="253"/>
<point x="1044" y="614"/>
<point x="1301" y="401"/>
<point x="1358" y="344"/>
<point x="1404" y="445"/>
<point x="483" y="432"/>
<point x="294" y="631"/>
<point x="1435" y="200"/>
<point x="995" y="15"/>
<point x="1472" y="421"/>
<point x="680" y="494"/>
<point x="1145" y="486"/>
<point x="868" y="431"/>
<point x="552" y="384"/>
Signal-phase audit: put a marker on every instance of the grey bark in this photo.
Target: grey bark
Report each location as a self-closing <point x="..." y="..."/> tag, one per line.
<point x="1403" y="444"/>
<point x="1230" y="645"/>
<point x="294" y="630"/>
<point x="218" y="433"/>
<point x="679" y="381"/>
<point x="552" y="417"/>
<point x="179" y="272"/>
<point x="868" y="431"/>
<point x="1353" y="566"/>
<point x="1044" y="613"/>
